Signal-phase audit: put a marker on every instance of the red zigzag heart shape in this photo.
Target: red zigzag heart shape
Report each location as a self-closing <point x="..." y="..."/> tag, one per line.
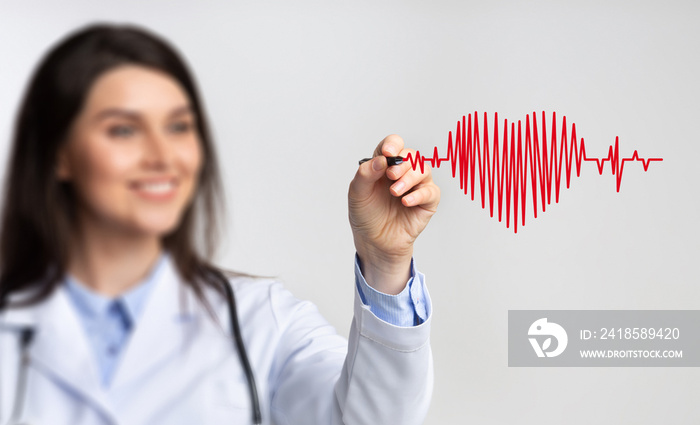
<point x="503" y="171"/>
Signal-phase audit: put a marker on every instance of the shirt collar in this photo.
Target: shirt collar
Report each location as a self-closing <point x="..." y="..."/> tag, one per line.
<point x="92" y="304"/>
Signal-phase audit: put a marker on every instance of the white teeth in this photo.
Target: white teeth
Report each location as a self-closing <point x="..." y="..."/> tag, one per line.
<point x="156" y="188"/>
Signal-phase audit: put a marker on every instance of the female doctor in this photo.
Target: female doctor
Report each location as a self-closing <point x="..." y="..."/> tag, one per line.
<point x="109" y="314"/>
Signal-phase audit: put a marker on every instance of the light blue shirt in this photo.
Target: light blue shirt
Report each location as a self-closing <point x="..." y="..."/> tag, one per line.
<point x="407" y="308"/>
<point x="108" y="322"/>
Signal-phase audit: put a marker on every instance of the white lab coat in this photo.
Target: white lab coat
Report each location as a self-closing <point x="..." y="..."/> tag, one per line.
<point x="179" y="367"/>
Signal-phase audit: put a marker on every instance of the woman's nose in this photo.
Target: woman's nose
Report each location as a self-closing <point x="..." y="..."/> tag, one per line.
<point x="157" y="151"/>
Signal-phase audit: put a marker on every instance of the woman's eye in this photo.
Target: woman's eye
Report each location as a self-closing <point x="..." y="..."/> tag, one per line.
<point x="121" y="131"/>
<point x="181" y="127"/>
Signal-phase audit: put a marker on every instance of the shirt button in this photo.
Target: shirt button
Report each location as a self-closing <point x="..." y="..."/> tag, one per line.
<point x="112" y="350"/>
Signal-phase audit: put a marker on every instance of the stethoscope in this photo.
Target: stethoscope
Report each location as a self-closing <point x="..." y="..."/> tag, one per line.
<point x="26" y="335"/>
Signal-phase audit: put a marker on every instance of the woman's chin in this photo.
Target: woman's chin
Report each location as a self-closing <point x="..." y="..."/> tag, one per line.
<point x="157" y="227"/>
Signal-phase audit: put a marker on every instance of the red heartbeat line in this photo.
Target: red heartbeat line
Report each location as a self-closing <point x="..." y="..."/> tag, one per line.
<point x="510" y="169"/>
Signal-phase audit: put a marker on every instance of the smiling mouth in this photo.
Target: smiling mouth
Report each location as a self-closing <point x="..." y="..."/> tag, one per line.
<point x="161" y="189"/>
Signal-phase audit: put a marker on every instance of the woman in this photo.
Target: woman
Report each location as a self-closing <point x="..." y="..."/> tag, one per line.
<point x="111" y="315"/>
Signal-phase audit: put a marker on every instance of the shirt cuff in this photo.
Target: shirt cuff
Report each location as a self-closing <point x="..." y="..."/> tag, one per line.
<point x="407" y="308"/>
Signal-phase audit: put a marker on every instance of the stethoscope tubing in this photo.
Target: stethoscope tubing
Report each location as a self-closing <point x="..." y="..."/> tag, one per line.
<point x="238" y="342"/>
<point x="26" y="335"/>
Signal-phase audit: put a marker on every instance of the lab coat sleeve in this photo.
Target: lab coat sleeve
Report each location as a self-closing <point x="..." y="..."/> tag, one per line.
<point x="382" y="375"/>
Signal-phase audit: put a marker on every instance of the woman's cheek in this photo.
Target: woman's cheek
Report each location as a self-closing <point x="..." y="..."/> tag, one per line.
<point x="192" y="157"/>
<point x="107" y="172"/>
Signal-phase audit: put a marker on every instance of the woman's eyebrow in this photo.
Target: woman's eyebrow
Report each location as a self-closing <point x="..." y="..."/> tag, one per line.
<point x="186" y="109"/>
<point x="133" y="115"/>
<point x="115" y="112"/>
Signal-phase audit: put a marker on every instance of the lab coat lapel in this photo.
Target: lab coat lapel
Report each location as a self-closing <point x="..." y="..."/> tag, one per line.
<point x="158" y="333"/>
<point x="61" y="350"/>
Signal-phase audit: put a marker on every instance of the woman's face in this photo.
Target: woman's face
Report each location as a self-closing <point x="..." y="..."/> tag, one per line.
<point x="133" y="153"/>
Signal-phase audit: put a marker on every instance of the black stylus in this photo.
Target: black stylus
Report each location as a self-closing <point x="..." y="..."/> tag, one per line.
<point x="390" y="160"/>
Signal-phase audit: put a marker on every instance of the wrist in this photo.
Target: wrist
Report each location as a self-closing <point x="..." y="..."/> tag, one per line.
<point x="388" y="275"/>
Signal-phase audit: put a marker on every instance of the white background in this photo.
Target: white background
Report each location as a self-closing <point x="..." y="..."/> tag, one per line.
<point x="297" y="92"/>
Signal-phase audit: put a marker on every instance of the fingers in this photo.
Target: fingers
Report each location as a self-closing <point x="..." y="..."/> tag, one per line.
<point x="428" y="197"/>
<point x="406" y="177"/>
<point x="366" y="176"/>
<point x="395" y="172"/>
<point x="392" y="145"/>
<point x="416" y="187"/>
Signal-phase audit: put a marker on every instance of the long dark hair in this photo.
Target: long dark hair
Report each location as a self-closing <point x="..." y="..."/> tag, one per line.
<point x="38" y="209"/>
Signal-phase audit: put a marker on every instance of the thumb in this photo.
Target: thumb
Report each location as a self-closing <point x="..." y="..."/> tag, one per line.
<point x="367" y="175"/>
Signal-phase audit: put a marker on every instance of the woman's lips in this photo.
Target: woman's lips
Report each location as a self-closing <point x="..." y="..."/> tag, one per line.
<point x="156" y="189"/>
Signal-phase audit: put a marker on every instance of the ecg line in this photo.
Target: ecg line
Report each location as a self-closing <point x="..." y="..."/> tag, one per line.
<point x="509" y="167"/>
